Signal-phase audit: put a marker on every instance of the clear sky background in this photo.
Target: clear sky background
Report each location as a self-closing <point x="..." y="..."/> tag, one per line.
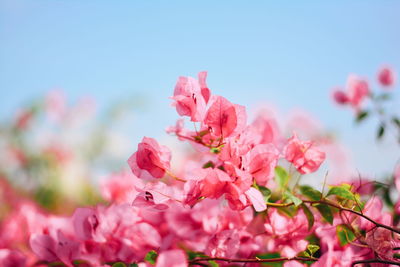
<point x="289" y="53"/>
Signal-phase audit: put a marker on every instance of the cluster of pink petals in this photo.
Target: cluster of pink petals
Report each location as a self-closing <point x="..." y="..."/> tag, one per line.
<point x="304" y="155"/>
<point x="212" y="203"/>
<point x="238" y="154"/>
<point x="151" y="159"/>
<point x="386" y="76"/>
<point x="357" y="90"/>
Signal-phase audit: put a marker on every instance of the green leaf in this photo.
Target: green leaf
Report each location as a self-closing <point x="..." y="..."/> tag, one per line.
<point x="344" y="234"/>
<point x="281" y="176"/>
<point x="312" y="248"/>
<point x="265" y="192"/>
<point x="151" y="257"/>
<point x="297" y="201"/>
<point x="326" y="212"/>
<point x="341" y="191"/>
<point x="362" y="115"/>
<point x="215" y="150"/>
<point x="381" y="131"/>
<point x="195" y="254"/>
<point x="208" y="164"/>
<point x="271" y="255"/>
<point x="119" y="264"/>
<point x="396" y="121"/>
<point x="133" y="265"/>
<point x="310" y="192"/>
<point x="213" y="264"/>
<point x="309" y="215"/>
<point x="305" y="254"/>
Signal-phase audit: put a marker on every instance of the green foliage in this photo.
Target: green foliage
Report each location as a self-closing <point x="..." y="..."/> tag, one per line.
<point x="281" y="177"/>
<point x="195" y="254"/>
<point x="119" y="264"/>
<point x="151" y="257"/>
<point x="344" y="234"/>
<point x="271" y="256"/>
<point x="215" y="150"/>
<point x="342" y="191"/>
<point x="362" y="115"/>
<point x="312" y="249"/>
<point x="213" y="264"/>
<point x="326" y="212"/>
<point x="310" y="193"/>
<point x="396" y="122"/>
<point x="208" y="164"/>
<point x="287" y="194"/>
<point x="309" y="215"/>
<point x="381" y="131"/>
<point x="265" y="192"/>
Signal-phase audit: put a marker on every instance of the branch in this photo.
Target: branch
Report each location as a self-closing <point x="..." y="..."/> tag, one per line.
<point x="375" y="261"/>
<point x="329" y="203"/>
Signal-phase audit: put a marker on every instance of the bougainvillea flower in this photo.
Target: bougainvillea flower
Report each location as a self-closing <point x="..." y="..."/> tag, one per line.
<point x="261" y="162"/>
<point x="386" y="76"/>
<point x="191" y="97"/>
<point x="381" y="241"/>
<point x="373" y="209"/>
<point x="304" y="155"/>
<point x="205" y="92"/>
<point x="287" y="234"/>
<point x="151" y="160"/>
<point x="53" y="248"/>
<point x="12" y="258"/>
<point x="340" y="97"/>
<point x="358" y="91"/>
<point x="225" y="119"/>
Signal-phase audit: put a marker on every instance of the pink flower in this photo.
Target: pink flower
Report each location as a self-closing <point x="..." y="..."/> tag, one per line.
<point x="172" y="258"/>
<point x="373" y="209"/>
<point x="225" y="119"/>
<point x="256" y="198"/>
<point x="266" y="126"/>
<point x="209" y="183"/>
<point x="303" y="154"/>
<point x="121" y="187"/>
<point x="287" y="234"/>
<point x="191" y="97"/>
<point x="53" y="248"/>
<point x="151" y="159"/>
<point x="224" y="244"/>
<point x="12" y="258"/>
<point x="205" y="92"/>
<point x="386" y="76"/>
<point x="340" y="97"/>
<point x="382" y="242"/>
<point x="337" y="258"/>
<point x="357" y="90"/>
<point x="261" y="162"/>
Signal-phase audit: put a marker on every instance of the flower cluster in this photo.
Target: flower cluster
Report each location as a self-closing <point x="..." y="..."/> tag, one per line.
<point x="234" y="199"/>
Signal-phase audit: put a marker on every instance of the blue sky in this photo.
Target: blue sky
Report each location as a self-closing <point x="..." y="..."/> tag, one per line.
<point x="290" y="53"/>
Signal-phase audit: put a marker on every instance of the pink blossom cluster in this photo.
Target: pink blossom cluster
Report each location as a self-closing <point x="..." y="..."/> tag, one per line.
<point x="233" y="200"/>
<point x="358" y="89"/>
